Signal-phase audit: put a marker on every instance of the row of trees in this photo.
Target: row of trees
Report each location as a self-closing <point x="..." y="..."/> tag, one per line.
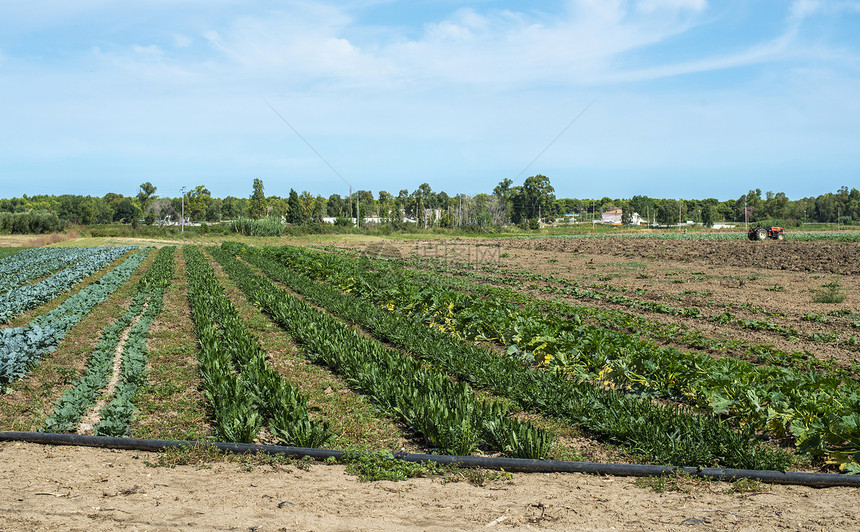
<point x="527" y="205"/>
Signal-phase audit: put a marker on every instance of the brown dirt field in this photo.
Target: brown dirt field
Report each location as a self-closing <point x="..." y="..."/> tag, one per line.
<point x="817" y="256"/>
<point x="79" y="488"/>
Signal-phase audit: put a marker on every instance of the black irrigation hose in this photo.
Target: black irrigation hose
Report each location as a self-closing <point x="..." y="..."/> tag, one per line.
<point x="819" y="480"/>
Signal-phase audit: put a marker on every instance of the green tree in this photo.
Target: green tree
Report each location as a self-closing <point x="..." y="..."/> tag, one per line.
<point x="294" y="208"/>
<point x="145" y="195"/>
<point x="126" y="211"/>
<point x="708" y="214"/>
<point x="213" y="210"/>
<point x="197" y="203"/>
<point x="319" y="209"/>
<point x="535" y="199"/>
<point x="667" y="212"/>
<point x="257" y="205"/>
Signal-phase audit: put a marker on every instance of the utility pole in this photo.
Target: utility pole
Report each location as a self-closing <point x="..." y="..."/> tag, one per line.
<point x="679" y="216"/>
<point x="746" y="220"/>
<point x="183" y="209"/>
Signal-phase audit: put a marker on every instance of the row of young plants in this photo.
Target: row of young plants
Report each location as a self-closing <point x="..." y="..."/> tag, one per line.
<point x="22" y="346"/>
<point x="616" y="319"/>
<point x="669" y="434"/>
<point x="445" y="412"/>
<point x="115" y="416"/>
<point x="33" y="263"/>
<point x="837" y="236"/>
<point x="245" y="392"/>
<point x="23" y="298"/>
<point x="821" y="412"/>
<point x="557" y="285"/>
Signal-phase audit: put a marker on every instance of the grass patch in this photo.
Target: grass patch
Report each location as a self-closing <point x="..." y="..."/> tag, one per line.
<point x="171" y="405"/>
<point x="683" y="482"/>
<point x="9" y="251"/>
<point x="830" y="293"/>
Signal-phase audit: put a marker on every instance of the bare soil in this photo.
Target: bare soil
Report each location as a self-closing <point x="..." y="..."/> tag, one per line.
<point x="79" y="488"/>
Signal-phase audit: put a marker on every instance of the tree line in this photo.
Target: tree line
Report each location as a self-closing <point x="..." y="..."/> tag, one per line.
<point x="527" y="205"/>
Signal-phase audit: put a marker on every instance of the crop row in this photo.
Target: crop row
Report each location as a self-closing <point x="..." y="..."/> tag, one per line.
<point x="145" y="305"/>
<point x="677" y="333"/>
<point x="23" y="298"/>
<point x="659" y="433"/>
<point x="556" y="285"/>
<point x="818" y="410"/>
<point x="32" y="263"/>
<point x="837" y="236"/>
<point x="447" y="413"/>
<point x="22" y="346"/>
<point x="244" y="390"/>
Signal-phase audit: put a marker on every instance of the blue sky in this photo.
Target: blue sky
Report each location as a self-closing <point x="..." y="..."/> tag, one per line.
<point x="684" y="98"/>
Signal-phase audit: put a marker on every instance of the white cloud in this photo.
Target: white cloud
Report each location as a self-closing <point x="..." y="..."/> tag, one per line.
<point x="649" y="6"/>
<point x="182" y="41"/>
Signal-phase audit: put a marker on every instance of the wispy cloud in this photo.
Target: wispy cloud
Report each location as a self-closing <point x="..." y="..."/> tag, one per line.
<point x="477" y="91"/>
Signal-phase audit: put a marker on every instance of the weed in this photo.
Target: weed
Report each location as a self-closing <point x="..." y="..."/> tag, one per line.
<point x="477" y="477"/>
<point x="775" y="288"/>
<point x="381" y="465"/>
<point x="745" y="485"/>
<point x="680" y="481"/>
<point x="830" y="293"/>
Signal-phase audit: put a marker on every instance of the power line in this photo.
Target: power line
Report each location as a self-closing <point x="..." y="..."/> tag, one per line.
<point x="296" y="131"/>
<point x="553" y="141"/>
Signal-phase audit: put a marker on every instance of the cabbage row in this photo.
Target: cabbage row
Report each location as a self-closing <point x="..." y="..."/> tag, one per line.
<point x="145" y="305"/>
<point x="23" y="298"/>
<point x="22" y="346"/>
<point x="244" y="390"/>
<point x="32" y="263"/>
<point x="447" y="413"/>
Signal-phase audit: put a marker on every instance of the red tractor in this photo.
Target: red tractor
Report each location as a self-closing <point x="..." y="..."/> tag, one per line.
<point x="760" y="233"/>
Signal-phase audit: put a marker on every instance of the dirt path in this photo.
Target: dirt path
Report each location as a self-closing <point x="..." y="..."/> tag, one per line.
<point x="78" y="488"/>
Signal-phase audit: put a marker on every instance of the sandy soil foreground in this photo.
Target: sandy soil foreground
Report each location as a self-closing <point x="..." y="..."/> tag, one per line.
<point x="79" y="488"/>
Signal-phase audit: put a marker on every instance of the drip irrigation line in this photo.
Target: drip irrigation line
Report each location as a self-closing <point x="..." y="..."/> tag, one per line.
<point x="820" y="480"/>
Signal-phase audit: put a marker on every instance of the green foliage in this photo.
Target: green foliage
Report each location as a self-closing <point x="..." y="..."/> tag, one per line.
<point x="782" y="401"/>
<point x="22" y="346"/>
<point x="257" y="204"/>
<point x="830" y="293"/>
<point x="665" y="434"/>
<point x="245" y="392"/>
<point x="145" y="305"/>
<point x="83" y="263"/>
<point x="30" y="222"/>
<point x="381" y="465"/>
<point x="271" y="226"/>
<point x="447" y="413"/>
